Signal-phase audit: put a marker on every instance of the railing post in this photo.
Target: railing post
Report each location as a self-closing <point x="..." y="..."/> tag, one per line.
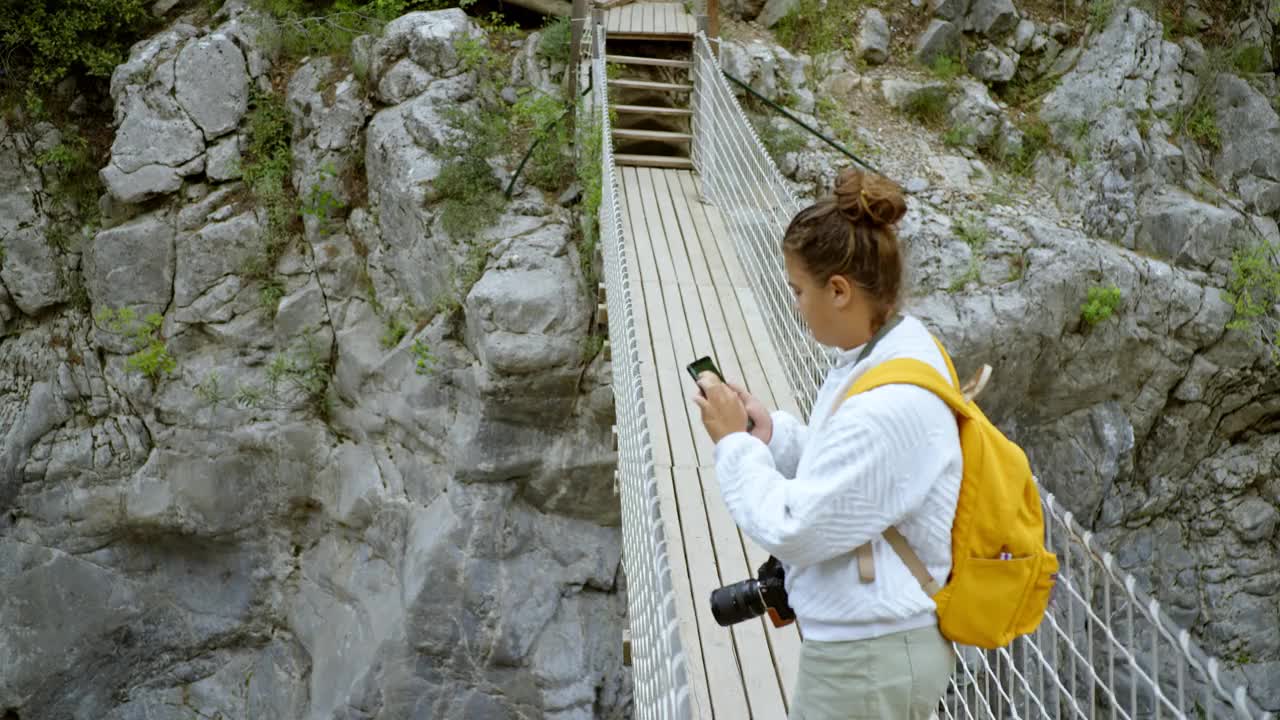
<point x="577" y="25"/>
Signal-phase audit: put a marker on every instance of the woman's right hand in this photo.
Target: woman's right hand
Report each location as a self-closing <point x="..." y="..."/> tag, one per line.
<point x="757" y="412"/>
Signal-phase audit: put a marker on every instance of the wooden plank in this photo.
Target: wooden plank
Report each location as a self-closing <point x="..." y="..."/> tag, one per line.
<point x="652" y="135"/>
<point x="727" y="695"/>
<point x="784" y="643"/>
<point x="635" y="22"/>
<point x="675" y="272"/>
<point x="721" y="656"/>
<point x="689" y="342"/>
<point x="687" y="614"/>
<point x="652" y="110"/>
<point x="641" y="309"/>
<point x="663" y="161"/>
<point x="657" y="62"/>
<point x="650" y="85"/>
<point x="611" y="18"/>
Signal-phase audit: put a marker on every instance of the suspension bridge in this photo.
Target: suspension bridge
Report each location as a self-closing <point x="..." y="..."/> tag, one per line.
<point x="690" y="219"/>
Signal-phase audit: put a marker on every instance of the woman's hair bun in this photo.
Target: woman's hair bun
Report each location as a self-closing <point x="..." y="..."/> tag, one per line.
<point x="869" y="198"/>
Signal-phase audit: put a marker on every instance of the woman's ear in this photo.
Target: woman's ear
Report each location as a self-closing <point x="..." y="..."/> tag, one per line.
<point x="841" y="290"/>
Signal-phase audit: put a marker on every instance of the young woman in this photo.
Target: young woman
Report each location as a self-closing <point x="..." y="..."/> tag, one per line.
<point x="888" y="457"/>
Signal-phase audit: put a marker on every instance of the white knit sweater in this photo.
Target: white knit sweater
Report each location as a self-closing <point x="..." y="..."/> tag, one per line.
<point x="889" y="456"/>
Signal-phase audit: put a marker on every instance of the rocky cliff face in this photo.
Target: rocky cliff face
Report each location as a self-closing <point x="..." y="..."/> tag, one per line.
<point x="1051" y="166"/>
<point x="331" y="479"/>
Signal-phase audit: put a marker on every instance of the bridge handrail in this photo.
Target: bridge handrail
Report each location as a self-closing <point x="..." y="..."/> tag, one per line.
<point x="1076" y="677"/>
<point x="659" y="670"/>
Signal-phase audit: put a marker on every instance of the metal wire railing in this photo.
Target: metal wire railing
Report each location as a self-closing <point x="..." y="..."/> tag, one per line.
<point x="659" y="671"/>
<point x="1105" y="648"/>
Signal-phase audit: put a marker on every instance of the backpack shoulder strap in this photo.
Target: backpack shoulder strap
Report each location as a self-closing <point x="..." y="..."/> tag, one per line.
<point x="910" y="371"/>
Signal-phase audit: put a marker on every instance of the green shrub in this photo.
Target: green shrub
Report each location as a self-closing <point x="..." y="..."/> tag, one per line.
<point x="1100" y="11"/>
<point x="425" y="360"/>
<point x="43" y="41"/>
<point x="305" y="27"/>
<point x="928" y="106"/>
<point x="778" y="141"/>
<point x="1248" y="59"/>
<point x="540" y="121"/>
<point x="957" y="135"/>
<point x="267" y="167"/>
<point x="556" y="38"/>
<point x="153" y="360"/>
<point x="972" y="232"/>
<point x="1101" y="304"/>
<point x="1202" y="125"/>
<point x="972" y="273"/>
<point x="1254" y="287"/>
<point x="470" y="200"/>
<point x="590" y="174"/>
<point x="817" y="27"/>
<point x="946" y="68"/>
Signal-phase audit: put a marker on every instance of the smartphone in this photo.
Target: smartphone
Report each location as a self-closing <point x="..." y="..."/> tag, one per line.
<point x="706" y="364"/>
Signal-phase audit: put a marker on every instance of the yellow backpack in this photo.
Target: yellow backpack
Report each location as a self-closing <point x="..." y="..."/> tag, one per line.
<point x="1001" y="574"/>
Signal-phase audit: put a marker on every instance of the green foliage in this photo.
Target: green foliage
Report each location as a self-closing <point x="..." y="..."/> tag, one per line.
<point x="820" y="26"/>
<point x="1100" y="11"/>
<point x="946" y="69"/>
<point x="153" y="360"/>
<point x="1036" y="139"/>
<point x="1248" y="59"/>
<point x="972" y="232"/>
<point x="956" y="135"/>
<point x="972" y="274"/>
<point x="298" y="28"/>
<point x="590" y="174"/>
<point x="778" y="141"/>
<point x="928" y="106"/>
<point x="295" y="379"/>
<point x="1201" y="124"/>
<point x="470" y="200"/>
<point x="541" y="118"/>
<point x="43" y="41"/>
<point x="268" y="169"/>
<point x="321" y="202"/>
<point x="1254" y="287"/>
<point x="592" y="345"/>
<point x="71" y="172"/>
<point x="1022" y="91"/>
<point x="556" y="39"/>
<point x="425" y="360"/>
<point x="1017" y="267"/>
<point x="394" y="333"/>
<point x="1101" y="304"/>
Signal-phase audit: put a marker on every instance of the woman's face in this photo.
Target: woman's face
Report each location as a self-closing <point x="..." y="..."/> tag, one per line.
<point x="837" y="312"/>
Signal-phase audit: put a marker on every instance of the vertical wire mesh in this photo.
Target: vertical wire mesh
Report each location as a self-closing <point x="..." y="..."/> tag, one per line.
<point x="1131" y="661"/>
<point x="659" y="671"/>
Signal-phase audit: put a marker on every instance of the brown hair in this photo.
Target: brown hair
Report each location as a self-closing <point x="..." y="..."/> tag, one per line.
<point x="853" y="233"/>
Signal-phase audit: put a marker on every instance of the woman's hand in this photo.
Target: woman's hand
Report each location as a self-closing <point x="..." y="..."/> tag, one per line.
<point x="722" y="409"/>
<point x="757" y="412"/>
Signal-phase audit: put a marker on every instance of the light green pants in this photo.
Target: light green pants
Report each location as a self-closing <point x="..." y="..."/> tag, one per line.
<point x="895" y="677"/>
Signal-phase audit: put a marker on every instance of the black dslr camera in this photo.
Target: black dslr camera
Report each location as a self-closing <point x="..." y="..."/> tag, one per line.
<point x="767" y="592"/>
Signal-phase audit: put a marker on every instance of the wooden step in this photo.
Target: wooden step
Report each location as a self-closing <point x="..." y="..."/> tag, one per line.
<point x="658" y="62"/>
<point x="652" y="110"/>
<point x="651" y="135"/>
<point x="649" y="85"/>
<point x="658" y="161"/>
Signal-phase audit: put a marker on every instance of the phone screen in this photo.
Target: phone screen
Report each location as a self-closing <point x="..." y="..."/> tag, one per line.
<point x="701" y="365"/>
<point x="706" y="364"/>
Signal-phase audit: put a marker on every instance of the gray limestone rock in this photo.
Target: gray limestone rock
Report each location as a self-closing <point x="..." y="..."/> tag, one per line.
<point x="940" y="39"/>
<point x="775" y="10"/>
<point x="223" y="160"/>
<point x="873" y="37"/>
<point x="992" y="18"/>
<point x="992" y="66"/>
<point x="211" y="84"/>
<point x="901" y="93"/>
<point x="32" y="271"/>
<point x="1249" y="129"/>
<point x="132" y="265"/>
<point x="953" y="10"/>
<point x="1023" y="35"/>
<point x="1186" y="231"/>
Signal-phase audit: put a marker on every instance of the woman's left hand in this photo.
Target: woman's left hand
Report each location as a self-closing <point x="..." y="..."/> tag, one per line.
<point x="722" y="410"/>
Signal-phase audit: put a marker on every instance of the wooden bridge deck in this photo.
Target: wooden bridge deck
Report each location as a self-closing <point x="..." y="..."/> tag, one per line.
<point x="692" y="299"/>
<point x="649" y="19"/>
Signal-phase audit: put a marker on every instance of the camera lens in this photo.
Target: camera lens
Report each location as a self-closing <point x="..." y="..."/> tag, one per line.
<point x="737" y="602"/>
